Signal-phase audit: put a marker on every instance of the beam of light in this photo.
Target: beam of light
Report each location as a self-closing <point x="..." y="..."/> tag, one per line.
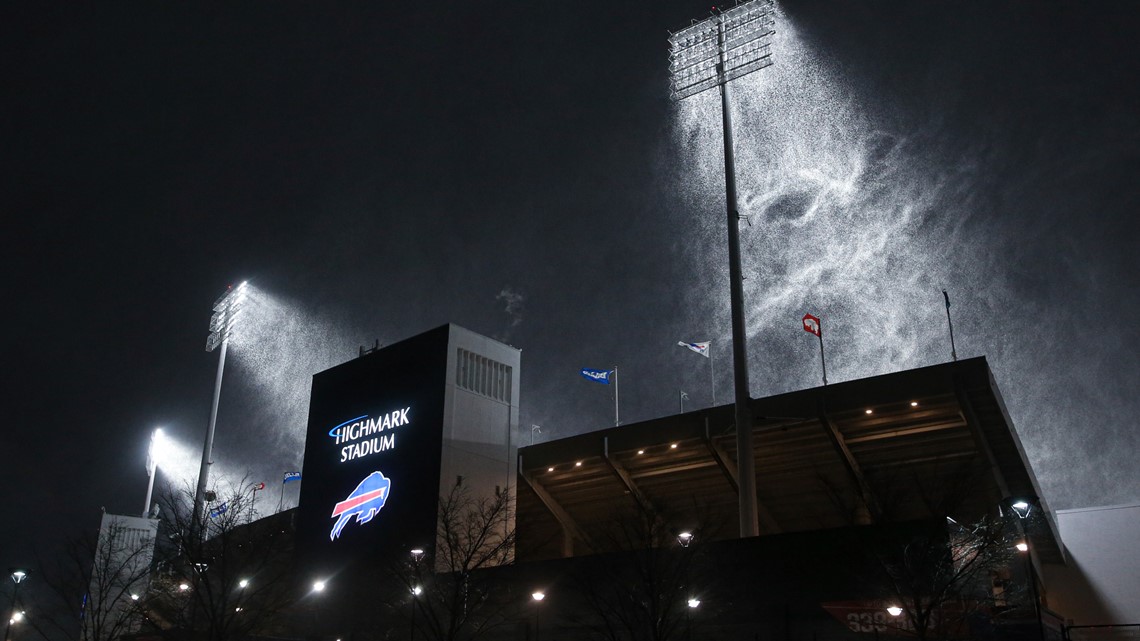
<point x="864" y="213"/>
<point x="177" y="459"/>
<point x="274" y="354"/>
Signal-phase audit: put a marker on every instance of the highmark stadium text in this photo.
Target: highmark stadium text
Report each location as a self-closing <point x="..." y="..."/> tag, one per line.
<point x="363" y="426"/>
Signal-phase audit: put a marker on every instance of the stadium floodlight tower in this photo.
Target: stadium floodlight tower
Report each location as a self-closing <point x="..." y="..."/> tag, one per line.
<point x="226" y="310"/>
<point x="711" y="53"/>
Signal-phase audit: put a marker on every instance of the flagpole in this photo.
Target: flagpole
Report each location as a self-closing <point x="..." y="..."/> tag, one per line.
<point x="281" y="495"/>
<point x="617" y="416"/>
<point x="821" y="361"/>
<point x="712" y="375"/>
<point x="681" y="399"/>
<point x="953" y="351"/>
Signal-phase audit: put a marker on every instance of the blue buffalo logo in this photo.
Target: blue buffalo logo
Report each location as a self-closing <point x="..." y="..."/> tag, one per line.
<point x="363" y="502"/>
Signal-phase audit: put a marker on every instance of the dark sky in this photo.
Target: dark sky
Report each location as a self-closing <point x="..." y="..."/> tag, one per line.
<point x="518" y="169"/>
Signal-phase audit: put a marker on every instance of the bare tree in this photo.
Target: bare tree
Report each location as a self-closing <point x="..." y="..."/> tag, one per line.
<point x="449" y="595"/>
<point x="99" y="581"/>
<point x="222" y="575"/>
<point x="943" y="577"/>
<point x="642" y="591"/>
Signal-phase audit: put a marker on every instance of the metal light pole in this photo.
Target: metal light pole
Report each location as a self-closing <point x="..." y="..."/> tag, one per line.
<point x="537" y="598"/>
<point x="1022" y="508"/>
<point x="226" y="310"/>
<point x="417" y="554"/>
<point x="708" y="54"/>
<point x="18" y="577"/>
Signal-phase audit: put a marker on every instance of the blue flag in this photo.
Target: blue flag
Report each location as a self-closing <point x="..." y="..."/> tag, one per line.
<point x="292" y="476"/>
<point x="597" y="375"/>
<point x="218" y="511"/>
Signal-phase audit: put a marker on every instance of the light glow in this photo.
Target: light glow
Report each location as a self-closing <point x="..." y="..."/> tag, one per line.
<point x="538" y="596"/>
<point x="694" y="602"/>
<point x="894" y="610"/>
<point x="318" y="586"/>
<point x="1022" y="546"/>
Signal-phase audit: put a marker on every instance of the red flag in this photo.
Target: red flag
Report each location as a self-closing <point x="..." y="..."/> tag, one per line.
<point x="812" y="326"/>
<point x="259" y="486"/>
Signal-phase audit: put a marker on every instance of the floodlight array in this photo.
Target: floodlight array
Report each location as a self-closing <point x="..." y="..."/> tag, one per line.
<point x="695" y="52"/>
<point x="226" y="310"/>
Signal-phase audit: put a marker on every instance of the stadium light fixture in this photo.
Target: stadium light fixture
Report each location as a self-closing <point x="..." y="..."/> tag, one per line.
<point x="711" y="53"/>
<point x="226" y="310"/>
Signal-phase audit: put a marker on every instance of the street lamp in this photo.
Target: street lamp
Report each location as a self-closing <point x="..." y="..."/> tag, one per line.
<point x="417" y="554"/>
<point x="226" y="310"/>
<point x="693" y="603"/>
<point x="536" y="597"/>
<point x="1023" y="507"/>
<point x="685" y="538"/>
<point x="319" y="586"/>
<point x="894" y="610"/>
<point x="710" y="53"/>
<point x="18" y="575"/>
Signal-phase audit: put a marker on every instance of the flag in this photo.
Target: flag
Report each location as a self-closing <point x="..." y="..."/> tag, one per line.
<point x="700" y="348"/>
<point x="947" y="297"/>
<point x="258" y="487"/>
<point x="291" y="476"/>
<point x="597" y="375"/>
<point x="812" y="326"/>
<point x="218" y="511"/>
<point x="684" y="396"/>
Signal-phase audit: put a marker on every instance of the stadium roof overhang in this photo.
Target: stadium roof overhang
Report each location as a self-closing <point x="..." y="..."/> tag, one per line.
<point x="928" y="443"/>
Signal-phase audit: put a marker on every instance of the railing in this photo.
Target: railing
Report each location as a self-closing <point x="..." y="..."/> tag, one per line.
<point x="1121" y="632"/>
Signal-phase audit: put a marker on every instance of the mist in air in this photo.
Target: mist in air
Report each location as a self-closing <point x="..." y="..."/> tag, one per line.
<point x="861" y="214"/>
<point x="870" y="181"/>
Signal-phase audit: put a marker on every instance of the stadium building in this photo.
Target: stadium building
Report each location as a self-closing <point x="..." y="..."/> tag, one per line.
<point x="897" y="505"/>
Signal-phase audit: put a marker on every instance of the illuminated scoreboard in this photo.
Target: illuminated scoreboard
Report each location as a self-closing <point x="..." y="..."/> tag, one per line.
<point x="391" y="431"/>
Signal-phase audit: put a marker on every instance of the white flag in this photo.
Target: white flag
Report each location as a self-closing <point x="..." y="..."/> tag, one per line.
<point x="700" y="348"/>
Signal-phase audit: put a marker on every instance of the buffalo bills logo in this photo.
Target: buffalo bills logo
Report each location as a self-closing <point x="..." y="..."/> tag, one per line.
<point x="363" y="502"/>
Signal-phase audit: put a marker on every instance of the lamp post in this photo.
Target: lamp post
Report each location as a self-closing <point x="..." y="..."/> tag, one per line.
<point x="708" y="54"/>
<point x="18" y="577"/>
<point x="1023" y="508"/>
<point x="537" y="598"/>
<point x="693" y="604"/>
<point x="226" y="310"/>
<point x="417" y="554"/>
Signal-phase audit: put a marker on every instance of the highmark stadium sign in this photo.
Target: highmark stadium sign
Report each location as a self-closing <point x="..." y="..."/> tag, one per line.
<point x="353" y="434"/>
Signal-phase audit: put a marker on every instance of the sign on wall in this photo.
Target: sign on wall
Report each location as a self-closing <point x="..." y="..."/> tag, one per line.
<point x="372" y="454"/>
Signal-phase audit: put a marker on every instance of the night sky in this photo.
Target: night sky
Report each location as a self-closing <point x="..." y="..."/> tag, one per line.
<point x="518" y="168"/>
